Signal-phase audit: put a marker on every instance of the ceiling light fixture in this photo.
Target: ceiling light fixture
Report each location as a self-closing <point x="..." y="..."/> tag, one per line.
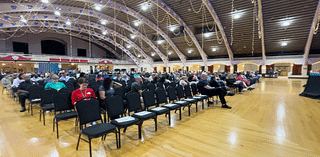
<point x="133" y="36"/>
<point x="172" y="28"/>
<point x="103" y="22"/>
<point x="214" y="49"/>
<point x="68" y="23"/>
<point x="169" y="53"/>
<point x="284" y="44"/>
<point x="152" y="54"/>
<point x="285" y="23"/>
<point x="128" y="46"/>
<point x="98" y="7"/>
<point x="189" y="51"/>
<point x="104" y="33"/>
<point x="160" y="41"/>
<point x="207" y="35"/>
<point x="57" y="13"/>
<point x="139" y="55"/>
<point x="45" y="1"/>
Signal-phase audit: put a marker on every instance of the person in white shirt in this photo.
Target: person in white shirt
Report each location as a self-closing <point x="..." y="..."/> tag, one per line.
<point x="125" y="78"/>
<point x="36" y="78"/>
<point x="64" y="77"/>
<point x="18" y="80"/>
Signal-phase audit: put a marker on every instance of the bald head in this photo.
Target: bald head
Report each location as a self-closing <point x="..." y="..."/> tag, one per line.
<point x="139" y="80"/>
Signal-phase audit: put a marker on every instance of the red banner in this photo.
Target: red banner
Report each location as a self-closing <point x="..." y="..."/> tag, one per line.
<point x="105" y="62"/>
<point x="15" y="58"/>
<point x="74" y="60"/>
<point x="65" y="60"/>
<point x="84" y="61"/>
<point x="54" y="59"/>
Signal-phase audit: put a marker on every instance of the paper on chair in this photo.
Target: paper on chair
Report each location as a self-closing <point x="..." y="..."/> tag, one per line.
<point x="170" y="105"/>
<point x="158" y="108"/>
<point x="142" y="113"/>
<point x="124" y="119"/>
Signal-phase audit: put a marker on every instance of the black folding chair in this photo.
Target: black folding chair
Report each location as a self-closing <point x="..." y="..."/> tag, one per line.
<point x="181" y="102"/>
<point x="115" y="109"/>
<point x="162" y="98"/>
<point x="34" y="96"/>
<point x="149" y="101"/>
<point x="134" y="105"/>
<point x="152" y="87"/>
<point x="46" y="104"/>
<point x="195" y="93"/>
<point x="62" y="104"/>
<point x="188" y="94"/>
<point x="89" y="111"/>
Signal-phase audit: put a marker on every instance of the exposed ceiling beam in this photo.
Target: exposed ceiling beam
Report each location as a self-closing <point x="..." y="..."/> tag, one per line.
<point x="312" y="29"/>
<point x="262" y="32"/>
<point x="216" y="19"/>
<point x="23" y="7"/>
<point x="175" y="16"/>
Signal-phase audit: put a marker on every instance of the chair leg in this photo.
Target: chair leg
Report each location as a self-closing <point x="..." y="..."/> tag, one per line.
<point x="78" y="141"/>
<point x="90" y="147"/>
<point x="117" y="142"/>
<point x="189" y="109"/>
<point x="40" y="115"/>
<point x="155" y="123"/>
<point x="105" y="117"/>
<point x="57" y="130"/>
<point x="54" y="120"/>
<point x="44" y="118"/>
<point x="180" y="113"/>
<point x="119" y="139"/>
<point x="169" y="118"/>
<point x="139" y="130"/>
<point x="31" y="110"/>
<point x="202" y="104"/>
<point x="197" y="106"/>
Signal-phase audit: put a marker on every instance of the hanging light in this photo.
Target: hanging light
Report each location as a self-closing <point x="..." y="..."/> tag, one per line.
<point x="152" y="54"/>
<point x="68" y="23"/>
<point x="169" y="53"/>
<point x="139" y="55"/>
<point x="160" y="41"/>
<point x="103" y="22"/>
<point x="104" y="33"/>
<point x="172" y="28"/>
<point x="189" y="51"/>
<point x="45" y="1"/>
<point x="284" y="43"/>
<point x="57" y="13"/>
<point x="128" y="46"/>
<point x="214" y="49"/>
<point x="132" y="36"/>
<point x="98" y="7"/>
<point x="136" y="23"/>
<point x="207" y="35"/>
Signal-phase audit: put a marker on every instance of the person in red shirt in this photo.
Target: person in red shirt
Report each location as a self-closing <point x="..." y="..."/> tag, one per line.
<point x="99" y="78"/>
<point x="82" y="92"/>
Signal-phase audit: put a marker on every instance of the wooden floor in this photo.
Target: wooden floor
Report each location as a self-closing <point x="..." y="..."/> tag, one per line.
<point x="272" y="120"/>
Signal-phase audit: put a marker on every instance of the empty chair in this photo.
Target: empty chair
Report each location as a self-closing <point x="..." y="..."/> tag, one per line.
<point x="160" y="84"/>
<point x="189" y="95"/>
<point x="46" y="102"/>
<point x="149" y="101"/>
<point x="152" y="87"/>
<point x="184" y="103"/>
<point x="115" y="109"/>
<point x="62" y="104"/>
<point x="69" y="86"/>
<point x="134" y="105"/>
<point x="34" y="96"/>
<point x="89" y="111"/>
<point x="162" y="98"/>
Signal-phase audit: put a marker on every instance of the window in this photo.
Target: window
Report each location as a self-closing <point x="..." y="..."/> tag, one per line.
<point x="20" y="47"/>
<point x="53" y="47"/>
<point x="82" y="52"/>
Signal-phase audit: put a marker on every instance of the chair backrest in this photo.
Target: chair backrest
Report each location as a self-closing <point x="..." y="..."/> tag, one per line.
<point x="152" y="87"/>
<point x="34" y="91"/>
<point x="134" y="102"/>
<point x="148" y="99"/>
<point x="88" y="110"/>
<point x="62" y="101"/>
<point x="161" y="96"/>
<point x="160" y="84"/>
<point x="41" y="82"/>
<point x="114" y="105"/>
<point x="180" y="92"/>
<point x="172" y="94"/>
<point x="166" y="84"/>
<point x="120" y="91"/>
<point x="187" y="91"/>
<point x="100" y="82"/>
<point x="144" y="86"/>
<point x="173" y="84"/>
<point x="194" y="89"/>
<point x="46" y="96"/>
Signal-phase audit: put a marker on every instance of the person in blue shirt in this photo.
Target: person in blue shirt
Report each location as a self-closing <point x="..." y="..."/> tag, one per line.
<point x="55" y="84"/>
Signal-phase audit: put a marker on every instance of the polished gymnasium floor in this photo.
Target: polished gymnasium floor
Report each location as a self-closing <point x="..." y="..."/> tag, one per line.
<point x="272" y="120"/>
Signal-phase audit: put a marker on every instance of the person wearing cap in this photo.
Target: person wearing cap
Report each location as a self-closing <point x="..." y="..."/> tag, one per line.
<point x="83" y="92"/>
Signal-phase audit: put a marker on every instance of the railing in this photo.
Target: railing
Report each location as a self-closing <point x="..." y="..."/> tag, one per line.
<point x="46" y="58"/>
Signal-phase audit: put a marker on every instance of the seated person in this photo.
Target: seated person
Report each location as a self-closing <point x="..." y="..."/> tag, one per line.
<point x="55" y="84"/>
<point x="23" y="91"/>
<point x="64" y="77"/>
<point x="231" y="81"/>
<point x="205" y="89"/>
<point x="136" y="86"/>
<point x="215" y="82"/>
<point x="82" y="92"/>
<point x="107" y="88"/>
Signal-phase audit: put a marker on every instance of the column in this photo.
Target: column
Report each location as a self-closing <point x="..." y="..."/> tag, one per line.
<point x="263" y="70"/>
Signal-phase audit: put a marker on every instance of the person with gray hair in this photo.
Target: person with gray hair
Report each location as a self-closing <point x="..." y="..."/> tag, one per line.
<point x="136" y="86"/>
<point x="205" y="89"/>
<point x="55" y="84"/>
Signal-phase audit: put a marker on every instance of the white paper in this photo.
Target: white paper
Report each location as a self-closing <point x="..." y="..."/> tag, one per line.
<point x="124" y="119"/>
<point x="158" y="108"/>
<point x="180" y="102"/>
<point x="170" y="105"/>
<point x="142" y="113"/>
